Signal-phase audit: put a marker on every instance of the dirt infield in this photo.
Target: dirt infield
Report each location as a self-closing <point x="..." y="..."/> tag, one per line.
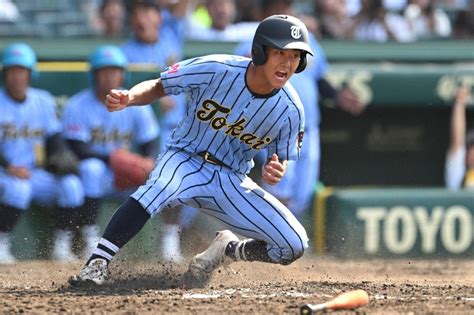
<point x="431" y="287"/>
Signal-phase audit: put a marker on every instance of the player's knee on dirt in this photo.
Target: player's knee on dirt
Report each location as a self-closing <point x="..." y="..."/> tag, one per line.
<point x="291" y="256"/>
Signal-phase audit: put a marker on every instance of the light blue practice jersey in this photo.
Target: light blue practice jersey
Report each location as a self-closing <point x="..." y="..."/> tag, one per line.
<point x="163" y="53"/>
<point x="226" y="119"/>
<point x="25" y="126"/>
<point x="87" y="119"/>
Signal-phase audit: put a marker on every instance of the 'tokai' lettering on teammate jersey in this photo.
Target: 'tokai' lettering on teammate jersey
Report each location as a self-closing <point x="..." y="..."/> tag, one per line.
<point x="99" y="135"/>
<point x="209" y="113"/>
<point x="11" y="132"/>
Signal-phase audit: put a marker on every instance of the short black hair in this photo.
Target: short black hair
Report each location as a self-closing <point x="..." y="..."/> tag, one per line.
<point x="133" y="4"/>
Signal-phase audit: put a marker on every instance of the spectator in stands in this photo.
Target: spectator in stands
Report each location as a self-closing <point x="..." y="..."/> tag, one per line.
<point x="149" y="43"/>
<point x="334" y="18"/>
<point x="426" y="21"/>
<point x="112" y="18"/>
<point x="247" y="11"/>
<point x="464" y="22"/>
<point x="94" y="134"/>
<point x="459" y="166"/>
<point x="294" y="190"/>
<point x="223" y="27"/>
<point x="173" y="14"/>
<point x="159" y="45"/>
<point x="374" y="23"/>
<point x="30" y="135"/>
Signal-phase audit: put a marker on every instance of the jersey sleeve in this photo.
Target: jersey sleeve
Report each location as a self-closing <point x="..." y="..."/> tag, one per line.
<point x="146" y="124"/>
<point x="74" y="125"/>
<point x="188" y="76"/>
<point x="288" y="143"/>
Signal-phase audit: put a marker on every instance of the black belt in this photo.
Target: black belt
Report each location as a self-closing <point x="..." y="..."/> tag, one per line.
<point x="208" y="157"/>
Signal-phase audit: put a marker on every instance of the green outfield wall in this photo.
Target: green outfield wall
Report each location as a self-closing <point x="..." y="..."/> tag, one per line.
<point x="423" y="223"/>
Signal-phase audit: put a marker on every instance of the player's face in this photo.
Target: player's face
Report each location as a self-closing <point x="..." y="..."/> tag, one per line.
<point x="222" y="13"/>
<point x="145" y="22"/>
<point x="17" y="80"/>
<point x="280" y="66"/>
<point x="108" y="78"/>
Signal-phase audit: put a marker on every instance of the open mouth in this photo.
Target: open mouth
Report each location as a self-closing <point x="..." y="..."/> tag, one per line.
<point x="280" y="75"/>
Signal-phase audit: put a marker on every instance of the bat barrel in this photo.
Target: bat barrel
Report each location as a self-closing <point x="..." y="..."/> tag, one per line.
<point x="312" y="308"/>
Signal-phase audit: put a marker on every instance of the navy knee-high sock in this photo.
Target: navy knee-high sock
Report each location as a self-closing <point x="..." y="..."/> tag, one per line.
<point x="126" y="222"/>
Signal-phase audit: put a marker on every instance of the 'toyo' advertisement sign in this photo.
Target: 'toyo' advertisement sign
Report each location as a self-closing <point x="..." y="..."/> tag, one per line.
<point x="401" y="229"/>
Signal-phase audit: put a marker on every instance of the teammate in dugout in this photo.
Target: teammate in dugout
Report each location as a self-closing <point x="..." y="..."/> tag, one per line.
<point x="237" y="106"/>
<point x="30" y="141"/>
<point x="101" y="139"/>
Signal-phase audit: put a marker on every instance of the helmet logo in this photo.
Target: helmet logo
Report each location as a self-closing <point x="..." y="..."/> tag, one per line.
<point x="295" y="32"/>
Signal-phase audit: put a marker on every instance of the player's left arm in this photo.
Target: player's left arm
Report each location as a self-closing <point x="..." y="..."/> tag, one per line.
<point x="274" y="170"/>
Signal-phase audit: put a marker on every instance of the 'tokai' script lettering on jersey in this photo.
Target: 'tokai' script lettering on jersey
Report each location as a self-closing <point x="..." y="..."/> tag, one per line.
<point x="101" y="137"/>
<point x="12" y="132"/>
<point x="210" y="113"/>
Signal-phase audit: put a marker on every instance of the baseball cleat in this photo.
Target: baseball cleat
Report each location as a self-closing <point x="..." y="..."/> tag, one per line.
<point x="96" y="272"/>
<point x="202" y="265"/>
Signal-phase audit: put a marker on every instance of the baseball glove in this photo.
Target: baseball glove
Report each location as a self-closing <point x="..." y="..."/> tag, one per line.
<point x="130" y="169"/>
<point x="62" y="162"/>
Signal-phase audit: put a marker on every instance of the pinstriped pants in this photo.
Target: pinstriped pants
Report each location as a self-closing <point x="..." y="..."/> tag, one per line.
<point x="232" y="198"/>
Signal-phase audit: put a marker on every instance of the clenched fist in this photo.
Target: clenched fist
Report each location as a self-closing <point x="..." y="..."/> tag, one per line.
<point x="116" y="100"/>
<point x="273" y="171"/>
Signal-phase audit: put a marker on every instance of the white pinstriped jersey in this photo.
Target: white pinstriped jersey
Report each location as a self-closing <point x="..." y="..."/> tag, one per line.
<point x="226" y="119"/>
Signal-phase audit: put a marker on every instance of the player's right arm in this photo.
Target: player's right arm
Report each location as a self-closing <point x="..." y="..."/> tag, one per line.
<point x="141" y="94"/>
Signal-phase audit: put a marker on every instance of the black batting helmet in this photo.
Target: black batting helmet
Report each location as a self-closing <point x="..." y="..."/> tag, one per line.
<point x="280" y="32"/>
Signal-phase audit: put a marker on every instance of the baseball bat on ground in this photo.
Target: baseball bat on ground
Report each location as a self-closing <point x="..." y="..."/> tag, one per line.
<point x="344" y="301"/>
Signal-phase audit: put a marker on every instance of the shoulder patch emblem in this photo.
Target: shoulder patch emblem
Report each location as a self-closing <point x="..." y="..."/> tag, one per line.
<point x="300" y="139"/>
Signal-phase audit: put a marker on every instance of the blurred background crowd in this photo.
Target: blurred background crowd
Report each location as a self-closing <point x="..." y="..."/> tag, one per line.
<point x="366" y="20"/>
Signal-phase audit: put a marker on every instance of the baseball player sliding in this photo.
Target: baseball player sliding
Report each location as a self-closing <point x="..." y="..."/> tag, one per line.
<point x="237" y="106"/>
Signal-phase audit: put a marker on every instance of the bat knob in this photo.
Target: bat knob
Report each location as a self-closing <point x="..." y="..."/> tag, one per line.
<point x="306" y="310"/>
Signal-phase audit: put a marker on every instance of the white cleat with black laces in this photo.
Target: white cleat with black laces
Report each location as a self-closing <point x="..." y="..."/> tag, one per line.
<point x="95" y="272"/>
<point x="202" y="265"/>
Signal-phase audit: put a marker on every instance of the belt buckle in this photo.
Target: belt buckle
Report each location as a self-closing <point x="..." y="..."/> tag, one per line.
<point x="207" y="158"/>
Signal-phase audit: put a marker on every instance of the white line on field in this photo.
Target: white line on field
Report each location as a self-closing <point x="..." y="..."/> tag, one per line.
<point x="244" y="293"/>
